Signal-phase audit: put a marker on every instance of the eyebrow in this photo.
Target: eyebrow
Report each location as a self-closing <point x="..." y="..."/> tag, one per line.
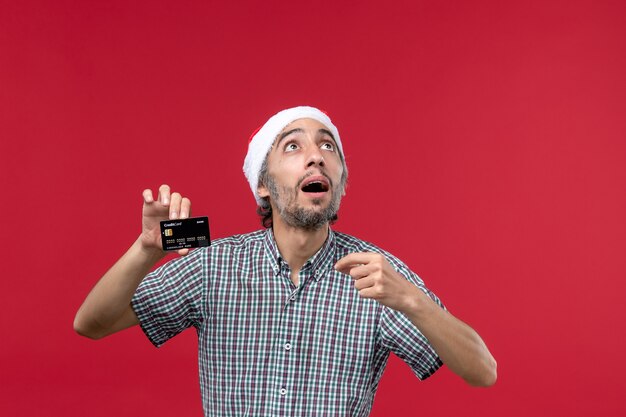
<point x="300" y="130"/>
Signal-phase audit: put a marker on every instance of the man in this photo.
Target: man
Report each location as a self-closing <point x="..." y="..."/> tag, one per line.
<point x="296" y="319"/>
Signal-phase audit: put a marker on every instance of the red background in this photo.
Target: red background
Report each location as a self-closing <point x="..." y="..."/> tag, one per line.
<point x="486" y="146"/>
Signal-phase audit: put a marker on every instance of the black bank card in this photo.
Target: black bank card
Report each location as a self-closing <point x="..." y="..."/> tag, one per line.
<point x="185" y="233"/>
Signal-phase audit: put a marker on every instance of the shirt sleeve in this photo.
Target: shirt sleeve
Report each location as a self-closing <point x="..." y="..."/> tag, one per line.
<point x="169" y="299"/>
<point x="399" y="335"/>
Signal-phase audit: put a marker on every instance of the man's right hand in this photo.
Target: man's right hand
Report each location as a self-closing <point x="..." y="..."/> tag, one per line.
<point x="107" y="309"/>
<point x="167" y="206"/>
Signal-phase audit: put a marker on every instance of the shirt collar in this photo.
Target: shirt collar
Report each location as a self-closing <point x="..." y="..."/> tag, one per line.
<point x="319" y="264"/>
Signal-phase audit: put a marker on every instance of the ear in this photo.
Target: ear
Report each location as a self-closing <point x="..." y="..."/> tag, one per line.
<point x="262" y="190"/>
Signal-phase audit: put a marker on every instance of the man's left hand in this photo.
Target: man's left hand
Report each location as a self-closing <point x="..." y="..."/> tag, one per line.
<point x="375" y="278"/>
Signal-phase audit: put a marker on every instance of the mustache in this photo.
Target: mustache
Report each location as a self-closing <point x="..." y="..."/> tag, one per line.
<point x="310" y="174"/>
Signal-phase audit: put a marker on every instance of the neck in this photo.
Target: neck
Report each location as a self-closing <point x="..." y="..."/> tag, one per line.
<point x="297" y="245"/>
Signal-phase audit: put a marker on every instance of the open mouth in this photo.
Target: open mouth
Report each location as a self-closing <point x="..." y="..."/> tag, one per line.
<point x="315" y="185"/>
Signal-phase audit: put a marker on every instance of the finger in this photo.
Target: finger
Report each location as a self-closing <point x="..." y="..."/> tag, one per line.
<point x="185" y="208"/>
<point x="370" y="292"/>
<point x="347" y="262"/>
<point x="373" y="259"/>
<point x="183" y="252"/>
<point x="147" y="196"/>
<point x="347" y="269"/>
<point x="366" y="282"/>
<point x="176" y="199"/>
<point x="359" y="271"/>
<point x="164" y="194"/>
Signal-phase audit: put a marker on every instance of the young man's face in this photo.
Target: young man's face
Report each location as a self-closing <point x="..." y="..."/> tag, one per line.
<point x="304" y="181"/>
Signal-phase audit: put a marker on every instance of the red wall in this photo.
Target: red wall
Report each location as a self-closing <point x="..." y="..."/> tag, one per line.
<point x="486" y="143"/>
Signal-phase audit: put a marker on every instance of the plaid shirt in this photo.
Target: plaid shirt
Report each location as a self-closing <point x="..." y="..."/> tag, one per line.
<point x="270" y="348"/>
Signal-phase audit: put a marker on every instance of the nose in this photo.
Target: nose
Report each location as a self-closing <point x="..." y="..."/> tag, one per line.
<point x="315" y="157"/>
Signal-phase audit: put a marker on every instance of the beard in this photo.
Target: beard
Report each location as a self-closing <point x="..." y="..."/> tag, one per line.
<point x="293" y="214"/>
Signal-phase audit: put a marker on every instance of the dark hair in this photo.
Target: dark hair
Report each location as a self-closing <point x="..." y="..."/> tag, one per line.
<point x="265" y="212"/>
<point x="266" y="216"/>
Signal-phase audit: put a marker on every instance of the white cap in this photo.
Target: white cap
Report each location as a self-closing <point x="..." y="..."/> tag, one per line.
<point x="262" y="140"/>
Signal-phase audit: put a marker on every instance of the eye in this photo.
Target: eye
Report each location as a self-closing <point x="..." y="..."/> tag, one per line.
<point x="328" y="146"/>
<point x="290" y="147"/>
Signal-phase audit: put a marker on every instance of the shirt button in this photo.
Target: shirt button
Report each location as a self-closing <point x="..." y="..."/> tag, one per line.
<point x="283" y="391"/>
<point x="287" y="346"/>
<point x="292" y="298"/>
